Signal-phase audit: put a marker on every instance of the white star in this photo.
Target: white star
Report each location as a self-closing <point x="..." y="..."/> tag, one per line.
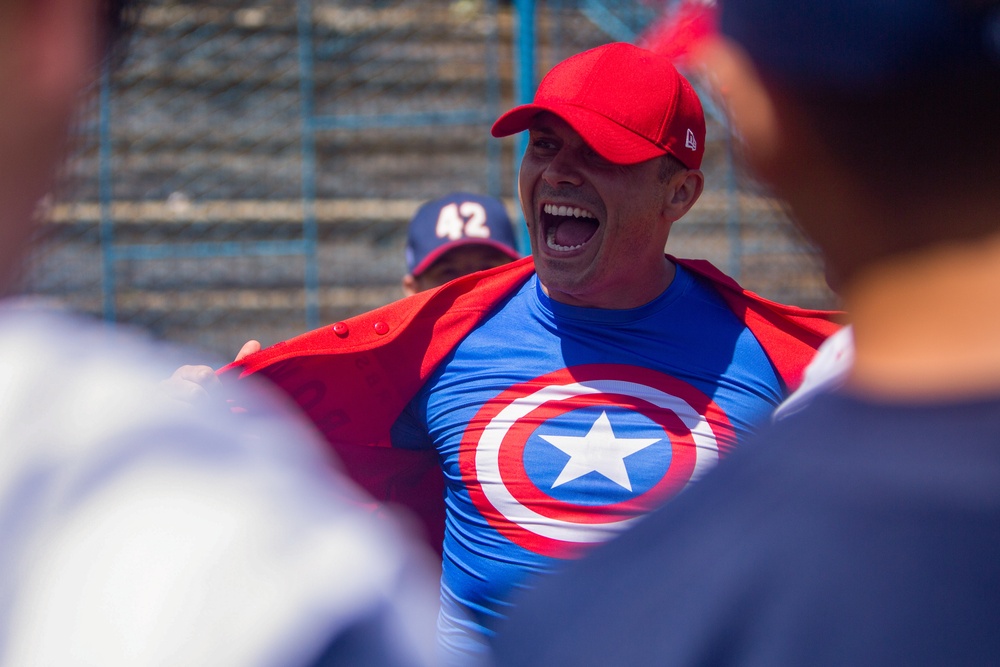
<point x="598" y="451"/>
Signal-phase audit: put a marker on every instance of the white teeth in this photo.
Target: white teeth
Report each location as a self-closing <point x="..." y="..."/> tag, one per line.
<point x="565" y="211"/>
<point x="552" y="209"/>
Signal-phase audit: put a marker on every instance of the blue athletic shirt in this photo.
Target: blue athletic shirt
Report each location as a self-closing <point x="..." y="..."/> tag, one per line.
<point x="558" y="426"/>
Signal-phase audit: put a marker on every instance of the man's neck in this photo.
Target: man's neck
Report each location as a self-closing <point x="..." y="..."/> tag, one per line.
<point x="927" y="325"/>
<point x="625" y="294"/>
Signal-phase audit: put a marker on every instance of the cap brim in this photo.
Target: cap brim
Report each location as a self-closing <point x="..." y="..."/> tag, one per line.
<point x="611" y="140"/>
<point x="438" y="252"/>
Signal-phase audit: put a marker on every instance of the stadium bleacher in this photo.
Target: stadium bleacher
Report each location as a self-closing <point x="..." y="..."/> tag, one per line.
<point x="225" y="131"/>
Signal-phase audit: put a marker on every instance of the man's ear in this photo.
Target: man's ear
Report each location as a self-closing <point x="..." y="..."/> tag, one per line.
<point x="751" y="107"/>
<point x="688" y="185"/>
<point x="783" y="149"/>
<point x="409" y="285"/>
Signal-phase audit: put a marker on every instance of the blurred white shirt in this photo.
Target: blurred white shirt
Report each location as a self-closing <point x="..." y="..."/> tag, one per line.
<point x="827" y="371"/>
<point x="136" y="530"/>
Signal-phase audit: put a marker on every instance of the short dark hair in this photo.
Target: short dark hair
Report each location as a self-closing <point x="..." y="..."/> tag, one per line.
<point x="893" y="88"/>
<point x="898" y="135"/>
<point x="669" y="165"/>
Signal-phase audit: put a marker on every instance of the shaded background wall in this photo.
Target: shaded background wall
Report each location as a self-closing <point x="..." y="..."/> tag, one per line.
<point x="250" y="170"/>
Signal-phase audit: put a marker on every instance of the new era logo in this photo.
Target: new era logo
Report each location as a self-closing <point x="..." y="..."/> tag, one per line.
<point x="691" y="142"/>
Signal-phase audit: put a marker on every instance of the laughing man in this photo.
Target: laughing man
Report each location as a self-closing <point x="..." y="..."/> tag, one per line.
<point x="567" y="394"/>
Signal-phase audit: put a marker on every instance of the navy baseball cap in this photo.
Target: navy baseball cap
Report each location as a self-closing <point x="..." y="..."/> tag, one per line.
<point x="457" y="219"/>
<point x="862" y="44"/>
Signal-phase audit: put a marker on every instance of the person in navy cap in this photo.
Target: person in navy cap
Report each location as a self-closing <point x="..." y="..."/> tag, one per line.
<point x="865" y="528"/>
<point x="455" y="235"/>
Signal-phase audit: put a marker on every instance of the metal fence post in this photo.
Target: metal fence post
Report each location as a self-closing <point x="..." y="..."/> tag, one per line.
<point x="309" y="231"/>
<point x="524" y="50"/>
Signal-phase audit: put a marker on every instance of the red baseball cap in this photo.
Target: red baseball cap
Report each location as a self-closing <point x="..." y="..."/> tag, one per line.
<point x="629" y="104"/>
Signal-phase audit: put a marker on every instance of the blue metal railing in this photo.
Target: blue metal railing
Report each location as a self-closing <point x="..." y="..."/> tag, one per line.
<point x="619" y="20"/>
<point x="525" y="65"/>
<point x="113" y="252"/>
<point x="313" y="123"/>
<point x="308" y="139"/>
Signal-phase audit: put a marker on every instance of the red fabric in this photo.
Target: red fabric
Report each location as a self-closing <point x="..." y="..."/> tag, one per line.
<point x="788" y="334"/>
<point x="354" y="378"/>
<point x="612" y="95"/>
<point x="681" y="30"/>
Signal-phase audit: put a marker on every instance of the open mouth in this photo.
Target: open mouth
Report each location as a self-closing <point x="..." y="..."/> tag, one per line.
<point x="567" y="227"/>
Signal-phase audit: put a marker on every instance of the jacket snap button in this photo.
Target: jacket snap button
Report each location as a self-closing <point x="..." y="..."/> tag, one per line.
<point x="381" y="328"/>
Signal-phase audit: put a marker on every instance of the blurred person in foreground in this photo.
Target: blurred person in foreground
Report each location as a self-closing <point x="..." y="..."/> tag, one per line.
<point x="534" y="410"/>
<point x="135" y="530"/>
<point x="863" y="529"/>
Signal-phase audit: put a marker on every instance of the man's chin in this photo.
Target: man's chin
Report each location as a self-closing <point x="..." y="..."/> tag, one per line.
<point x="563" y="281"/>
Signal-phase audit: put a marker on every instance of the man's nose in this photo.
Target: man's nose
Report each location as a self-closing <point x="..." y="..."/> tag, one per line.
<point x="563" y="169"/>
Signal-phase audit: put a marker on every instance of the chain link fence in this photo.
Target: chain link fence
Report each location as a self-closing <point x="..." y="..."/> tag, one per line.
<point x="249" y="170"/>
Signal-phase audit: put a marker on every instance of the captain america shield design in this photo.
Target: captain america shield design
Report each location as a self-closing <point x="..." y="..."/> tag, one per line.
<point x="574" y="457"/>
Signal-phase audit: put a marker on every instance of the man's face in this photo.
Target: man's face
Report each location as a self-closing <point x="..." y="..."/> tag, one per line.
<point x="597" y="229"/>
<point x="457" y="262"/>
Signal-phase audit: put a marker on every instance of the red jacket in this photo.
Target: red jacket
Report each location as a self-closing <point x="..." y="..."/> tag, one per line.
<point x="354" y="378"/>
